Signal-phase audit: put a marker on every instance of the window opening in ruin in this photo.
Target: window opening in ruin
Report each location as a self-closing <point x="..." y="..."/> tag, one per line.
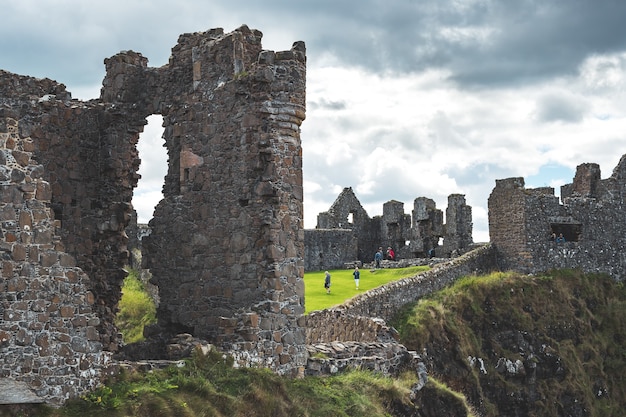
<point x="350" y="217"/>
<point x="153" y="168"/>
<point x="137" y="306"/>
<point x="571" y="231"/>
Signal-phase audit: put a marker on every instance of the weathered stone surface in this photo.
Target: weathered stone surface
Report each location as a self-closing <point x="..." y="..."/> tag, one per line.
<point x="17" y="392"/>
<point x="224" y="242"/>
<point x="590" y="217"/>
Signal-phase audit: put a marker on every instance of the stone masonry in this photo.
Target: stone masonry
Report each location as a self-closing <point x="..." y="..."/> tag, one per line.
<point x="226" y="246"/>
<point x="50" y="346"/>
<point x="591" y="218"/>
<point x="346" y="233"/>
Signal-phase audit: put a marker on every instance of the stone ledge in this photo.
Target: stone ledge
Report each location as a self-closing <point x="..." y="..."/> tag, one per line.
<point x="17" y="392"/>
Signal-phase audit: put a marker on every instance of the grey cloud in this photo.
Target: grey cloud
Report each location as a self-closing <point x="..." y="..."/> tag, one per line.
<point x="482" y="43"/>
<point x="561" y="108"/>
<point x="326" y="104"/>
<point x="515" y="42"/>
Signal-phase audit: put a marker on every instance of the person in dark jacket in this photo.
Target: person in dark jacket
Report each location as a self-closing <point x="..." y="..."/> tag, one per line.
<point x="327" y="282"/>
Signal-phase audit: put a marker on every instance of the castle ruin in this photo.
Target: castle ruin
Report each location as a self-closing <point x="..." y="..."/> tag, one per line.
<point x="226" y="246"/>
<point x="346" y="233"/>
<point x="523" y="223"/>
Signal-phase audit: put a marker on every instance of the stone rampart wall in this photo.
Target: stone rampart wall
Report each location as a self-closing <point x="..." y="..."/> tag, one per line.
<point x="385" y="301"/>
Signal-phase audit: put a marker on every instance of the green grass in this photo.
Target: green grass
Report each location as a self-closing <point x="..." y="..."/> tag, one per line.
<point x="580" y="317"/>
<point x="210" y="386"/>
<point x="136" y="309"/>
<point x="342" y="284"/>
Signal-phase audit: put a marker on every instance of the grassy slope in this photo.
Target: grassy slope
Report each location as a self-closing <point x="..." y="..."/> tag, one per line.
<point x="572" y="325"/>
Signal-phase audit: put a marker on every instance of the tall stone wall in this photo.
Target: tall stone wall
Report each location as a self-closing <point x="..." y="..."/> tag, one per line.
<point x="226" y="246"/>
<point x="522" y="223"/>
<point x="228" y="235"/>
<point x="54" y="321"/>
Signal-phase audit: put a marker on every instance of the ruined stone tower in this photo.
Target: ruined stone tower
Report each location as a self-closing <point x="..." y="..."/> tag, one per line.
<point x="226" y="248"/>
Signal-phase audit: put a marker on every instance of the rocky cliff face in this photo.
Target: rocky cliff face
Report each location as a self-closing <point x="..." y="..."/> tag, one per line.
<point x="523" y="345"/>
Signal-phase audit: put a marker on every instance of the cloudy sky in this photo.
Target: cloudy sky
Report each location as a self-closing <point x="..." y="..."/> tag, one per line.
<point x="405" y="98"/>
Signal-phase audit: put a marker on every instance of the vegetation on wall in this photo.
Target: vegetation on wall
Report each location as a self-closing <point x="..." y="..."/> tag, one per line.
<point x="210" y="386"/>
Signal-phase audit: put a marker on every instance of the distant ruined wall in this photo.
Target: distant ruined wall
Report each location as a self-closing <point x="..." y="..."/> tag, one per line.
<point x="329" y="248"/>
<point x="410" y="236"/>
<point x="591" y="219"/>
<point x="226" y="244"/>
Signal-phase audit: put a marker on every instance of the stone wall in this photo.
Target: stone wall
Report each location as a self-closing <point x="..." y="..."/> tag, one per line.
<point x="226" y="245"/>
<point x="591" y="218"/>
<point x="329" y="248"/>
<point x="384" y="302"/>
<point x="227" y="238"/>
<point x="50" y="346"/>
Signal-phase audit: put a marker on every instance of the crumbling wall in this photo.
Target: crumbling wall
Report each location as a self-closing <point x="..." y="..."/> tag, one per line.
<point x="458" y="228"/>
<point x="226" y="245"/>
<point x="409" y="236"/>
<point x="427" y="228"/>
<point x="56" y="319"/>
<point x="227" y="237"/>
<point x="522" y="223"/>
<point x="395" y="228"/>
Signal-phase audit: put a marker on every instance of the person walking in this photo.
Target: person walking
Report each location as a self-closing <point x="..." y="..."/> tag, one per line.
<point x="378" y="256"/>
<point x="357" y="276"/>
<point x="327" y="282"/>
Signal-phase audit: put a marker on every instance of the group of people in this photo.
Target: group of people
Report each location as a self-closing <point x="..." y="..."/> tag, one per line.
<point x="559" y="238"/>
<point x="378" y="256"/>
